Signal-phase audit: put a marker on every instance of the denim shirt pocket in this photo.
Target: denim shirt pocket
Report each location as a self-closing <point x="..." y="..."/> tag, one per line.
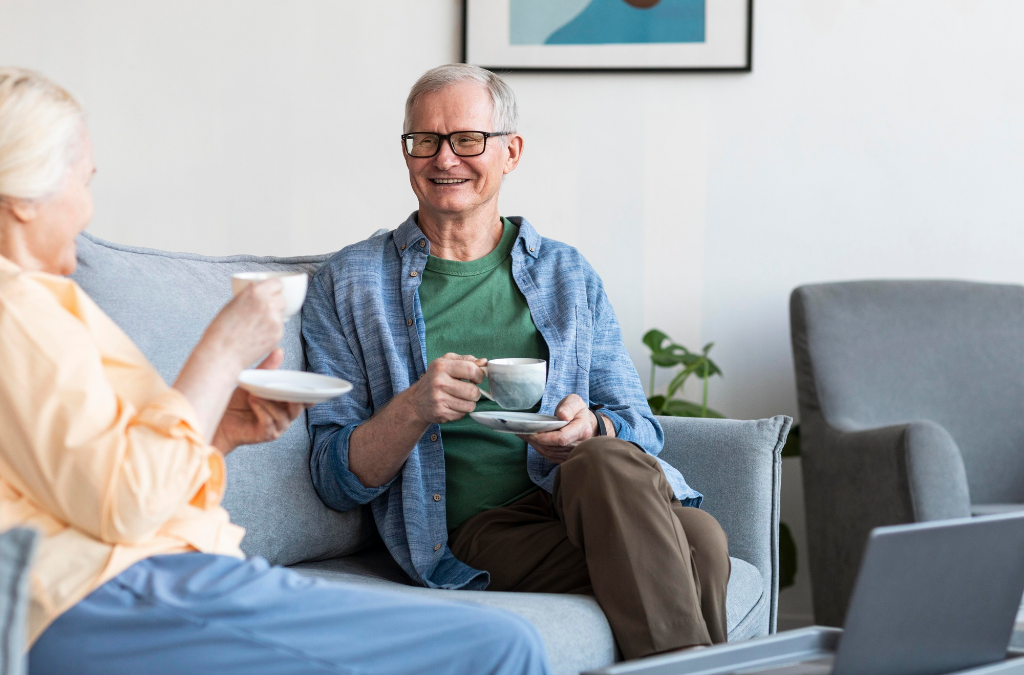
<point x="584" y="337"/>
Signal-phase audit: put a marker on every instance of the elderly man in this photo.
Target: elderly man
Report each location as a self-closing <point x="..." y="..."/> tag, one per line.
<point x="411" y="316"/>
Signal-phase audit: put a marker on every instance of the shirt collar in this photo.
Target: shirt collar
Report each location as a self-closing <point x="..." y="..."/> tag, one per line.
<point x="531" y="241"/>
<point x="408" y="235"/>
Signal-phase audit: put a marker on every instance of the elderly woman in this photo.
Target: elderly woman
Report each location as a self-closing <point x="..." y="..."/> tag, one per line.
<point x="139" y="570"/>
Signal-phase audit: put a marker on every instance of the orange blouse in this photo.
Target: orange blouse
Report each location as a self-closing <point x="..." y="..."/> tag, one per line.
<point x="96" y="451"/>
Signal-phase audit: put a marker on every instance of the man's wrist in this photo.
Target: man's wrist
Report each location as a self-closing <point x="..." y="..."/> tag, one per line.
<point x="405" y="406"/>
<point x="609" y="426"/>
<point x="599" y="427"/>
<point x="406" y="411"/>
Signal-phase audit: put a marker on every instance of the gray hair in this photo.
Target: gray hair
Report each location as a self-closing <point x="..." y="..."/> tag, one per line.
<point x="41" y="125"/>
<point x="506" y="113"/>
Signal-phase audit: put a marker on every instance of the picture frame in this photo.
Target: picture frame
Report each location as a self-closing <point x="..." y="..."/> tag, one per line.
<point x="609" y="35"/>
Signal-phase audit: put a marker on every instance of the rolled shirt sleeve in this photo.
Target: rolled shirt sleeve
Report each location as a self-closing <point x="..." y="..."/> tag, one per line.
<point x="329" y="351"/>
<point x="613" y="378"/>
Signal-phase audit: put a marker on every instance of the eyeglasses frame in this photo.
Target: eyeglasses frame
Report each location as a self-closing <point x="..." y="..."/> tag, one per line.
<point x="443" y="137"/>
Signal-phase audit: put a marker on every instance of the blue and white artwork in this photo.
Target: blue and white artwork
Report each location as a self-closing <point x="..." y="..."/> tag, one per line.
<point x="622" y="35"/>
<point x="606" y="22"/>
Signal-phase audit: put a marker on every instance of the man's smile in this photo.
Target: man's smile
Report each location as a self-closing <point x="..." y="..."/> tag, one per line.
<point x="449" y="181"/>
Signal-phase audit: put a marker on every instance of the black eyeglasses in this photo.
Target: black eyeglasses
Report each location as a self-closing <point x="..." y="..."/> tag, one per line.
<point x="463" y="143"/>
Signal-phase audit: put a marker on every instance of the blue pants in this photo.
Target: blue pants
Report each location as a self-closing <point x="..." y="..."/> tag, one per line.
<point x="195" y="613"/>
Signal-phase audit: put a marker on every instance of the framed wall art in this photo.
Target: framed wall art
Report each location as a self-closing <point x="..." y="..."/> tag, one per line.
<point x="608" y="35"/>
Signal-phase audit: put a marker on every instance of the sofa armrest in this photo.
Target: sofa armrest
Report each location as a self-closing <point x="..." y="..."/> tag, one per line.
<point x="855" y="481"/>
<point x="16" y="548"/>
<point x="736" y="464"/>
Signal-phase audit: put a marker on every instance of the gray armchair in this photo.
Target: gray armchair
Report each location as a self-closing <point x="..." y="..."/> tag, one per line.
<point x="911" y="399"/>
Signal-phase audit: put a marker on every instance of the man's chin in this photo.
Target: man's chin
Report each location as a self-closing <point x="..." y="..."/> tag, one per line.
<point x="447" y="207"/>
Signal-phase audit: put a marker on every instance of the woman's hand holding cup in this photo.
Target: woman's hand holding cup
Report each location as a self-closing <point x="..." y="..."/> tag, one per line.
<point x="243" y="331"/>
<point x="293" y="287"/>
<point x="252" y="323"/>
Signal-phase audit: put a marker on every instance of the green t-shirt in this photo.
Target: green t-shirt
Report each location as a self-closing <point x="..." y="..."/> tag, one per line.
<point x="476" y="308"/>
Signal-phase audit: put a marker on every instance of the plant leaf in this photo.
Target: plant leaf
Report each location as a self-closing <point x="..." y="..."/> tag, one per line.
<point x="656" y="403"/>
<point x="680" y="408"/>
<point x="654" y="338"/>
<point x="665" y="359"/>
<point x="678" y="381"/>
<point x="712" y="369"/>
<point x="690" y="358"/>
<point x="792" y="446"/>
<point x="707" y="348"/>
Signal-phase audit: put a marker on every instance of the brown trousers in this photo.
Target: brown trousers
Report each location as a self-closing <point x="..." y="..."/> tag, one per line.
<point x="611" y="528"/>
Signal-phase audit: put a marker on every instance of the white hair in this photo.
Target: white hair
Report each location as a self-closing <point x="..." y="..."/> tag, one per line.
<point x="506" y="113"/>
<point x="41" y="126"/>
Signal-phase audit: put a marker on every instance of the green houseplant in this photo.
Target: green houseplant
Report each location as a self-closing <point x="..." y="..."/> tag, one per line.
<point x="667" y="354"/>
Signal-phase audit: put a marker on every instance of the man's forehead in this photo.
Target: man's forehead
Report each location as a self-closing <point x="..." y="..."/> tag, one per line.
<point x="461" y="100"/>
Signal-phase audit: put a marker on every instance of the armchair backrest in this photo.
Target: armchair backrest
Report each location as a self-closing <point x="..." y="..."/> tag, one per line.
<point x="877" y="353"/>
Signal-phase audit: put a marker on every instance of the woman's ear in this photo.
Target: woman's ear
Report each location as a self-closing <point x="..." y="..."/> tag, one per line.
<point x="23" y="211"/>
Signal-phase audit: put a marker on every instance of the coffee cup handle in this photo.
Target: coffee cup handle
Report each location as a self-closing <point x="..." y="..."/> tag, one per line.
<point x="482" y="391"/>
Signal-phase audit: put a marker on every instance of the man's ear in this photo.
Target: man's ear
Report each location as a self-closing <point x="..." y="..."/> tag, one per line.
<point x="515" y="152"/>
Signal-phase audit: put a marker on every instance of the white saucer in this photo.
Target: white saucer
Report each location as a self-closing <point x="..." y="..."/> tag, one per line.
<point x="517" y="422"/>
<point x="292" y="386"/>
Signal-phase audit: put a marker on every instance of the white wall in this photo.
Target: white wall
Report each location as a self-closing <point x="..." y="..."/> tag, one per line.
<point x="874" y="138"/>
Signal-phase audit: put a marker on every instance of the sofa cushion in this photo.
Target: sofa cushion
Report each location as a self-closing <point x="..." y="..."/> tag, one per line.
<point x="164" y="301"/>
<point x="747" y="604"/>
<point x="16" y="547"/>
<point x="573" y="627"/>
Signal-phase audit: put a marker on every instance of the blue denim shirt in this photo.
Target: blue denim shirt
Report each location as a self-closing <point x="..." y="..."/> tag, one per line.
<point x="362" y="322"/>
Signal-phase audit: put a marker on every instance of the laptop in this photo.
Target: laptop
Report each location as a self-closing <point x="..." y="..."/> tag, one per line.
<point x="930" y="598"/>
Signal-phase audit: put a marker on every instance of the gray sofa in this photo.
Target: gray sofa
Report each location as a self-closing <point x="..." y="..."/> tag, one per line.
<point x="16" y="549"/>
<point x="165" y="300"/>
<point x="911" y="407"/>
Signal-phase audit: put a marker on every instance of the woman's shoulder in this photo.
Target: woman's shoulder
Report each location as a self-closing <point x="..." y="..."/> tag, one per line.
<point x="35" y="314"/>
<point x="25" y="291"/>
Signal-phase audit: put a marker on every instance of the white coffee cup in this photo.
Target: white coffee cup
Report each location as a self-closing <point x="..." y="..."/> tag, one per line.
<point x="515" y="384"/>
<point x="293" y="286"/>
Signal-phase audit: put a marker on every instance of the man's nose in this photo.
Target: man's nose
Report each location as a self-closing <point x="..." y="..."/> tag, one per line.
<point x="445" y="158"/>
